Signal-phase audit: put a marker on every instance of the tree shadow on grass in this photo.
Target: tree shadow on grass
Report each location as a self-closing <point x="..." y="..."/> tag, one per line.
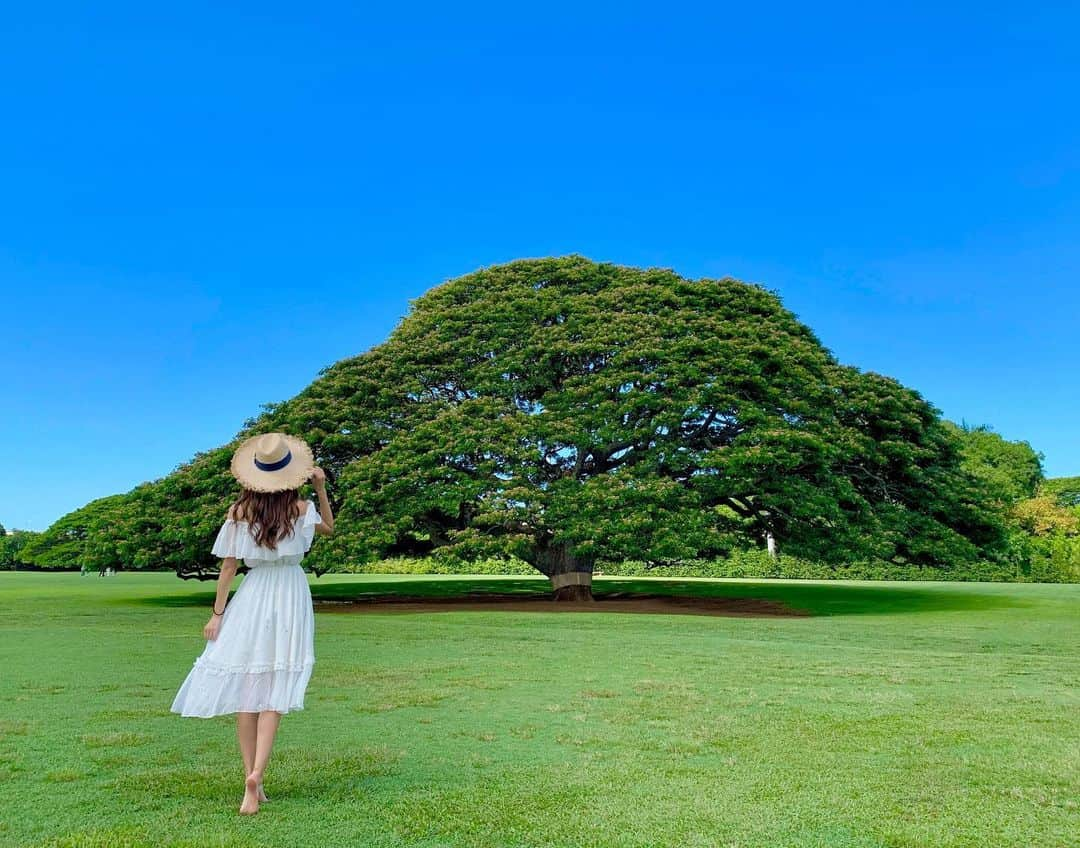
<point x="817" y="599"/>
<point x="837" y="598"/>
<point x="374" y="589"/>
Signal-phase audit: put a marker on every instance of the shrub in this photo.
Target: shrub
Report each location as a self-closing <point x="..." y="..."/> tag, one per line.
<point x="1051" y="560"/>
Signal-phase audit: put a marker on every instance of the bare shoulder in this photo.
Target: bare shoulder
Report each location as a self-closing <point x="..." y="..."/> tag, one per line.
<point x="301" y="507"/>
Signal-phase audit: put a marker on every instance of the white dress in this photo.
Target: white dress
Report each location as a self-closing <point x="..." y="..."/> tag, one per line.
<point x="264" y="652"/>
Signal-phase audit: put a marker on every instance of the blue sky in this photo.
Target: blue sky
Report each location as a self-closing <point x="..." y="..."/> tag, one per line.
<point x="204" y="204"/>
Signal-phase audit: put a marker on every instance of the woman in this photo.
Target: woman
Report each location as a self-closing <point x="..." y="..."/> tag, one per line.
<point x="260" y="646"/>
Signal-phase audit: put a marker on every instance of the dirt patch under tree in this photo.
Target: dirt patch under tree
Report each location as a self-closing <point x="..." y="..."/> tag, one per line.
<point x="489" y="602"/>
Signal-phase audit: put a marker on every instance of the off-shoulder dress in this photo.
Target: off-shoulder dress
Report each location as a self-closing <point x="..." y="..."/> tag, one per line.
<point x="264" y="652"/>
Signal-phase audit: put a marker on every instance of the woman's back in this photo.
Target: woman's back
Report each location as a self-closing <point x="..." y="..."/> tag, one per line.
<point x="239" y="538"/>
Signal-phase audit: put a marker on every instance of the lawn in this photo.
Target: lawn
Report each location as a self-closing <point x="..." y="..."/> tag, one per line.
<point x="929" y="714"/>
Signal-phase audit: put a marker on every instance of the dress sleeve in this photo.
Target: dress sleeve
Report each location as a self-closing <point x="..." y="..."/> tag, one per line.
<point x="307" y="526"/>
<point x="225" y="543"/>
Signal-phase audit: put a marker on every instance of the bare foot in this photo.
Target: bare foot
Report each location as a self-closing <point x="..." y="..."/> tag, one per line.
<point x="262" y="795"/>
<point x="250" y="805"/>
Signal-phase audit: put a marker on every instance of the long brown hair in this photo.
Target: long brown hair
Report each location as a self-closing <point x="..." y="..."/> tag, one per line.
<point x="270" y="515"/>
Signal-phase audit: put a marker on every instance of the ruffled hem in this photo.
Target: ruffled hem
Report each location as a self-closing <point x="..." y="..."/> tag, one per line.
<point x="211" y="668"/>
<point x="205" y="694"/>
<point x="234" y="539"/>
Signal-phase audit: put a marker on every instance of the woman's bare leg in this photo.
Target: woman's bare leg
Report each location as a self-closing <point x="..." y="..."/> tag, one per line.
<point x="247" y="725"/>
<point x="267" y="729"/>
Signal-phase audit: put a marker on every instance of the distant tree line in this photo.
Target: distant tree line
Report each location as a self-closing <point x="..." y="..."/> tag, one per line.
<point x="12" y="545"/>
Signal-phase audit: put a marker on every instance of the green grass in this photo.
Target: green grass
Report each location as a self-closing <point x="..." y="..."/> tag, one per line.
<point x="930" y="714"/>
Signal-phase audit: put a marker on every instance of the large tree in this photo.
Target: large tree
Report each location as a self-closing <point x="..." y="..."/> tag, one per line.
<point x="568" y="412"/>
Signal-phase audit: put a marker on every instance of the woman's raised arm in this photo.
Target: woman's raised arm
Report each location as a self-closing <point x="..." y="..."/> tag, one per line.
<point x="318" y="480"/>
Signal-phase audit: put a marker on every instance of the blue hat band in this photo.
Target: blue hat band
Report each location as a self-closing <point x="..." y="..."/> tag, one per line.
<point x="274" y="466"/>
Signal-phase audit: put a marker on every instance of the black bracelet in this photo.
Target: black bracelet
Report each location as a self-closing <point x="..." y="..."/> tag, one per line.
<point x="218" y="613"/>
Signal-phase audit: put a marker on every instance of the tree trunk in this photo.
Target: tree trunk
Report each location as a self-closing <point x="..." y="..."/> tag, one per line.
<point x="571" y="577"/>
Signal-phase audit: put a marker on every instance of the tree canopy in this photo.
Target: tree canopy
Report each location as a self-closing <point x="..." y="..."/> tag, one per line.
<point x="1011" y="471"/>
<point x="12" y="543"/>
<point x="568" y="412"/>
<point x="1064" y="490"/>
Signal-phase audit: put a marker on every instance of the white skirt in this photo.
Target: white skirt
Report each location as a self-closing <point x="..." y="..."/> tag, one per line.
<point x="264" y="653"/>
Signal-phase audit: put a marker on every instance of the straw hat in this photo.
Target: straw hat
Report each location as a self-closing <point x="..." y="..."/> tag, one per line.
<point x="272" y="462"/>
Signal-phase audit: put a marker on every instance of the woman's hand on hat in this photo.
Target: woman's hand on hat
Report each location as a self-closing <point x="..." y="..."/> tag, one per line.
<point x="318" y="478"/>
